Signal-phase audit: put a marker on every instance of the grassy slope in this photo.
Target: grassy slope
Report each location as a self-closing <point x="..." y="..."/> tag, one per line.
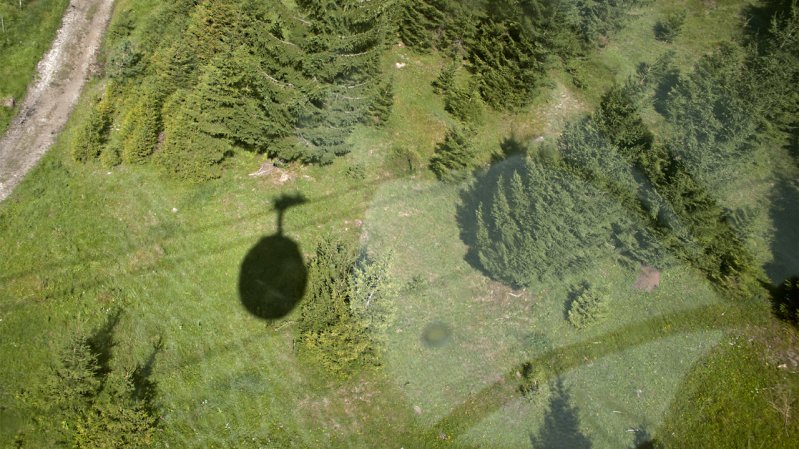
<point x="28" y="34"/>
<point x="77" y="241"/>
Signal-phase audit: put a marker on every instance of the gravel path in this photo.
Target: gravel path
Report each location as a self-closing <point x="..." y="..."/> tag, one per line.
<point x="53" y="94"/>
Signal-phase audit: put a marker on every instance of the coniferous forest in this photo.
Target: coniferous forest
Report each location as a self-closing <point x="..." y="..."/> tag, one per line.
<point x="410" y="223"/>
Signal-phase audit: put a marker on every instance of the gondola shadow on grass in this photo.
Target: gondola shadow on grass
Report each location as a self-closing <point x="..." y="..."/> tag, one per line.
<point x="273" y="274"/>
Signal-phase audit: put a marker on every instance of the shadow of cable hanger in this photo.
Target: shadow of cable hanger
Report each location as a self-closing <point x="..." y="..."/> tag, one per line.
<point x="273" y="275"/>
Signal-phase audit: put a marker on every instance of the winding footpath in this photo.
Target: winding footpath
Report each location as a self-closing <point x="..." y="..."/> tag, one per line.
<point x="61" y="75"/>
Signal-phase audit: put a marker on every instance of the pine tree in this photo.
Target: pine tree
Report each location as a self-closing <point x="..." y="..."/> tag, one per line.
<point x="539" y="222"/>
<point x="508" y="65"/>
<point x="418" y="21"/>
<point x="455" y="157"/>
<point x="116" y="419"/>
<point x="372" y="295"/>
<point x="328" y="329"/>
<point x="342" y="60"/>
<point x="93" y="134"/>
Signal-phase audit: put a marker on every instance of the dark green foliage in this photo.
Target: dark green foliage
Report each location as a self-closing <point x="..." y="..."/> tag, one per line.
<point x="619" y="121"/>
<point x="539" y="221"/>
<point x="247" y="75"/>
<point x="93" y="133"/>
<point x="465" y="103"/>
<point x="418" y="20"/>
<point x="190" y="151"/>
<point x="785" y="301"/>
<point x="116" y="418"/>
<point x="777" y="65"/>
<point x="662" y="75"/>
<point x="446" y="79"/>
<point x="356" y="171"/>
<point x="587" y="306"/>
<point x="599" y="18"/>
<point x="716" y="111"/>
<point x="111" y="156"/>
<point x="688" y="220"/>
<point x="342" y="62"/>
<point x="383" y="102"/>
<point x="123" y="60"/>
<point x="455" y="157"/>
<point x="140" y="128"/>
<point x="667" y="29"/>
<point x="446" y="25"/>
<point x="507" y="64"/>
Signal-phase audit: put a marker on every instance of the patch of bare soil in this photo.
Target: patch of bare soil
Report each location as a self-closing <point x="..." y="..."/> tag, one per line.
<point x="648" y="280"/>
<point x="61" y="75"/>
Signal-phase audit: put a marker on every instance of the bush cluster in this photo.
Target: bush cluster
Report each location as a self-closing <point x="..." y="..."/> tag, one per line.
<point x="587" y="306"/>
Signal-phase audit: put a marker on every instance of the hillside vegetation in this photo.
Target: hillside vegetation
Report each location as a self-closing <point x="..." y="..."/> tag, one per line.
<point x="510" y="223"/>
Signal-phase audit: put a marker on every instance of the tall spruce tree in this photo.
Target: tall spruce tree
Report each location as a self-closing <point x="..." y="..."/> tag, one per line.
<point x="539" y="222"/>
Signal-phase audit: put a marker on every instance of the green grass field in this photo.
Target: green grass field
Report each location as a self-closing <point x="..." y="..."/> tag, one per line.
<point x="78" y="241"/>
<point x="26" y="34"/>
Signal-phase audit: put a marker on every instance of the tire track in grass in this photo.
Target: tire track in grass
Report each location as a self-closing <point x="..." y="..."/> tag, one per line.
<point x="481" y="405"/>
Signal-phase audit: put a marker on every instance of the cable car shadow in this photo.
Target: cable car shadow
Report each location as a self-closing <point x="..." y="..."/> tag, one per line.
<point x="273" y="274"/>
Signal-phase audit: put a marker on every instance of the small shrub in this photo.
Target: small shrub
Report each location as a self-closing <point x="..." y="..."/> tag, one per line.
<point x="92" y="136"/>
<point x="344" y="319"/>
<point x="533" y="384"/>
<point x="443" y="83"/>
<point x="587" y="306"/>
<point x="380" y="109"/>
<point x="403" y="161"/>
<point x="666" y="30"/>
<point x="465" y="104"/>
<point x="111" y="156"/>
<point x="140" y="130"/>
<point x="123" y="60"/>
<point x="785" y="301"/>
<point x="356" y="171"/>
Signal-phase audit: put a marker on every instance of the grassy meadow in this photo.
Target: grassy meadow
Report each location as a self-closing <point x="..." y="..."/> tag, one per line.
<point x="682" y="364"/>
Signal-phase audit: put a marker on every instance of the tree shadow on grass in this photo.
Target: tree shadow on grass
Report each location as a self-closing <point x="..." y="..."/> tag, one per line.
<point x="144" y="388"/>
<point x="783" y="269"/>
<point x="561" y="428"/>
<point x="101" y="342"/>
<point x="273" y="275"/>
<point x="493" y="397"/>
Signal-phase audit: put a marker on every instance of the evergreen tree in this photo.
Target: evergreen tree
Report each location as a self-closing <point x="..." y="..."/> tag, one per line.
<point x="372" y="295"/>
<point x="455" y="157"/>
<point x="343" y="50"/>
<point x="418" y="21"/>
<point x="464" y="103"/>
<point x="116" y="419"/>
<point x="507" y="63"/>
<point x="716" y="112"/>
<point x="329" y="330"/>
<point x="539" y="222"/>
<point x="446" y="79"/>
<point x="93" y="135"/>
<point x="382" y="103"/>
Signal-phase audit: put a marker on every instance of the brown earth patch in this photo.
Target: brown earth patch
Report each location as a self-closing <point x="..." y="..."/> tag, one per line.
<point x="648" y="280"/>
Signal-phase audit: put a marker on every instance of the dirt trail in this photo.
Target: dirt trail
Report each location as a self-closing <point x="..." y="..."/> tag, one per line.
<point x="51" y="97"/>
